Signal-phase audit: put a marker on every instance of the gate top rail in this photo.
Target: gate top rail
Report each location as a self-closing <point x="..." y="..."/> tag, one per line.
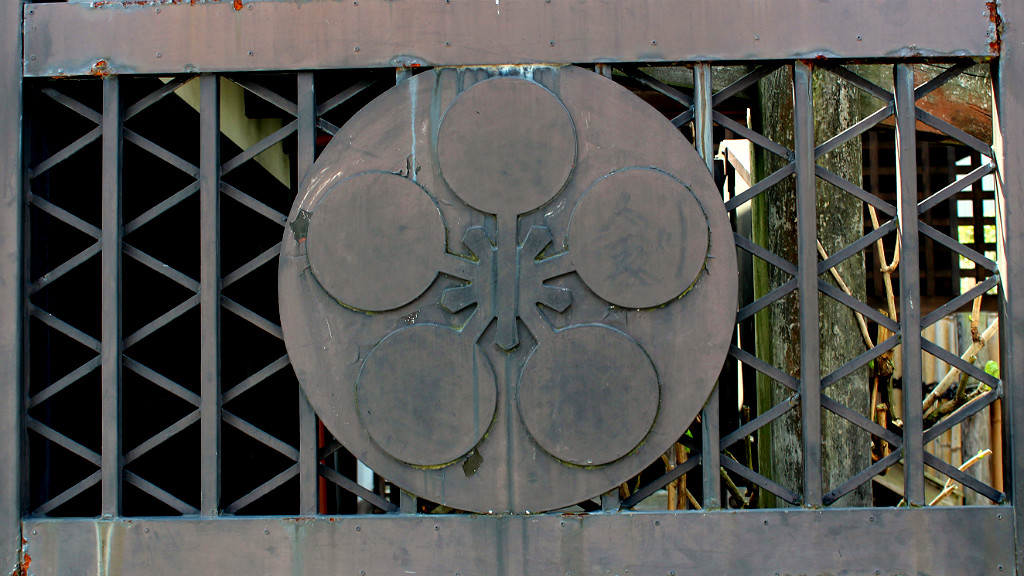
<point x="163" y="37"/>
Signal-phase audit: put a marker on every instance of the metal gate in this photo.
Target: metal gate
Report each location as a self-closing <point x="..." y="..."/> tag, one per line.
<point x="153" y="422"/>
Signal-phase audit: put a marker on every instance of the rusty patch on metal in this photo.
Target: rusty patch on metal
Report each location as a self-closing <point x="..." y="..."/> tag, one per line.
<point x="144" y="3"/>
<point x="130" y="3"/>
<point x="124" y="4"/>
<point x="24" y="562"/>
<point x="407" y="61"/>
<point x="238" y="4"/>
<point x="995" y="45"/>
<point x="100" y="69"/>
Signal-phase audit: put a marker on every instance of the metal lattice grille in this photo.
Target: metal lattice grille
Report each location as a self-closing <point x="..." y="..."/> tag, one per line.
<point x="159" y="382"/>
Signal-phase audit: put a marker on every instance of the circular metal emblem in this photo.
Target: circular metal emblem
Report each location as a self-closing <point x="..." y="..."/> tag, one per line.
<point x="508" y="289"/>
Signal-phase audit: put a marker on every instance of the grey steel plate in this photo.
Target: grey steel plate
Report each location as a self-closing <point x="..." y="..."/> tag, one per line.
<point x="560" y="329"/>
<point x="842" y="542"/>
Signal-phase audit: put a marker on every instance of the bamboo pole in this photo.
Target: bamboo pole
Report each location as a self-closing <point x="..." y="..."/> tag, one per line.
<point x="951" y="484"/>
<point x="953" y="374"/>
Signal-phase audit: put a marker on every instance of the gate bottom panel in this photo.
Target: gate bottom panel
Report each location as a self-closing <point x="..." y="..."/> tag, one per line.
<point x="970" y="540"/>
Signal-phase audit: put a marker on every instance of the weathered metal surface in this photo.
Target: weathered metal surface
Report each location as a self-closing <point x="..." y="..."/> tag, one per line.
<point x="807" y="275"/>
<point x="446" y="419"/>
<point x="839" y="542"/>
<point x="703" y="131"/>
<point x="485" y="149"/>
<point x="546" y="357"/>
<point x="209" y="305"/>
<point x="13" y="469"/>
<point x="426" y="395"/>
<point x="910" y="285"/>
<point x="570" y="413"/>
<point x="376" y="225"/>
<point x="113" y="141"/>
<point x="167" y="37"/>
<point x="625" y="230"/>
<point x="309" y="489"/>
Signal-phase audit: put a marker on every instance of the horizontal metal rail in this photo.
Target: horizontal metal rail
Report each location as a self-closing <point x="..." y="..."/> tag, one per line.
<point x="761" y="541"/>
<point x="160" y="38"/>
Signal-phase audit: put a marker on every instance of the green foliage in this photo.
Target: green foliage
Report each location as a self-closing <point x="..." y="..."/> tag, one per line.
<point x="992" y="368"/>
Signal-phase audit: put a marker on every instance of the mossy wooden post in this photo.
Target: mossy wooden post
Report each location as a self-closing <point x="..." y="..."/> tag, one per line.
<point x="846" y="449"/>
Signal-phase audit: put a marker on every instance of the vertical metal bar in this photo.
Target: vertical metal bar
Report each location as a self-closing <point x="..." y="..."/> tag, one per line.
<point x="307" y="123"/>
<point x="807" y="272"/>
<point x="209" y="296"/>
<point x="1007" y="143"/>
<point x="111" y="298"/>
<point x="308" y="485"/>
<point x="704" y="140"/>
<point x="702" y="127"/>
<point x="910" y="289"/>
<point x="402" y="74"/>
<point x="407" y="502"/>
<point x="12" y="451"/>
<point x="711" y="458"/>
<point x="610" y="501"/>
